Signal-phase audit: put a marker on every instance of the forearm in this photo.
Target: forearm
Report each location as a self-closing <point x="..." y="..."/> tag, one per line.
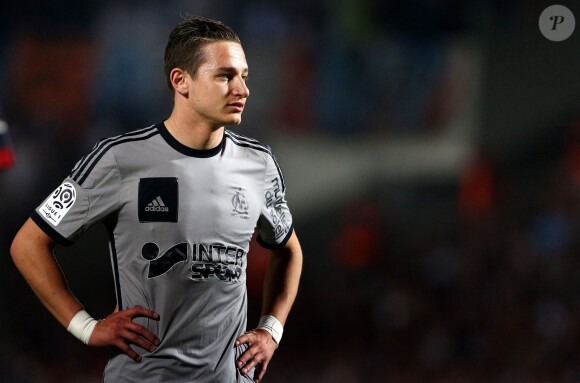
<point x="32" y="254"/>
<point x="282" y="280"/>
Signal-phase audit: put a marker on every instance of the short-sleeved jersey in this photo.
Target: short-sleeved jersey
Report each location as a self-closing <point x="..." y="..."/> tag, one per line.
<point x="180" y="222"/>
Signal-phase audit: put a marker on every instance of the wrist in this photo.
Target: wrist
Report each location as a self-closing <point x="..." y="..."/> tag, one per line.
<point x="273" y="326"/>
<point x="82" y="326"/>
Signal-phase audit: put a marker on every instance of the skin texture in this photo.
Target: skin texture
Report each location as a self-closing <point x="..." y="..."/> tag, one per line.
<point x="204" y="102"/>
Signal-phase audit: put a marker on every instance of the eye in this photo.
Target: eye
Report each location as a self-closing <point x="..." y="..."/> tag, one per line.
<point x="225" y="76"/>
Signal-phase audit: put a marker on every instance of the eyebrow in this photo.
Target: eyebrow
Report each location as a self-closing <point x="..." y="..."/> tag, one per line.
<point x="231" y="69"/>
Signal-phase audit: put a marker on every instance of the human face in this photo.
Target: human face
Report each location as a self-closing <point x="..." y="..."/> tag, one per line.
<point x="218" y="89"/>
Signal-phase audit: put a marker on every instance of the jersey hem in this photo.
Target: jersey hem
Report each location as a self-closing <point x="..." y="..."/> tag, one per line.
<point x="49" y="230"/>
<point x="277" y="246"/>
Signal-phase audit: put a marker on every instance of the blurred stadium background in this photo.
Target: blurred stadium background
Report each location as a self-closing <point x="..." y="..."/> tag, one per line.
<point x="432" y="153"/>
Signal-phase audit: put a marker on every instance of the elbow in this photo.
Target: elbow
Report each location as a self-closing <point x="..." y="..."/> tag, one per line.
<point x="29" y="241"/>
<point x="17" y="248"/>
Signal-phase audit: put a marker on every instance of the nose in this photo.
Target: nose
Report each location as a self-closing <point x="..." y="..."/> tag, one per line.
<point x="240" y="88"/>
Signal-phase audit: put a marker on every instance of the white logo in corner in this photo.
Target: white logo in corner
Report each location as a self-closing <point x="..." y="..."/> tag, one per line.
<point x="59" y="203"/>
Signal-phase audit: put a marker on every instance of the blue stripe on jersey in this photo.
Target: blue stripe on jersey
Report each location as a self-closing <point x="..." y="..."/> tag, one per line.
<point x="93" y="158"/>
<point x="251" y="143"/>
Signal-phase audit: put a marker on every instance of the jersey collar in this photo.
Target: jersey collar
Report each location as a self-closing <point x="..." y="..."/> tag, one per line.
<point x="186" y="149"/>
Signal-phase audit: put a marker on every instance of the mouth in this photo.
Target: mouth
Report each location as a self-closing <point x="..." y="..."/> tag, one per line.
<point x="237" y="106"/>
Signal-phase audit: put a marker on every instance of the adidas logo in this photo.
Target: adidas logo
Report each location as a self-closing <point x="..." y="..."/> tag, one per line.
<point x="157" y="205"/>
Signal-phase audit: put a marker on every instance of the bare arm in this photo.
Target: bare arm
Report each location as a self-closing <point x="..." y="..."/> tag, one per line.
<point x="281" y="280"/>
<point x="32" y="252"/>
<point x="280" y="289"/>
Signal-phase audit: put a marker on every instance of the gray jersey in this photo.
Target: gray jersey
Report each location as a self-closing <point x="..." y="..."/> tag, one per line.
<point x="180" y="221"/>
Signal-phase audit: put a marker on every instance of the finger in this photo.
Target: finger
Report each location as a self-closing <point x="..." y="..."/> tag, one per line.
<point x="251" y="364"/>
<point x="245" y="358"/>
<point x="261" y="370"/>
<point x="139" y="311"/>
<point x="128" y="350"/>
<point x="139" y="341"/>
<point x="143" y="332"/>
<point x="246" y="338"/>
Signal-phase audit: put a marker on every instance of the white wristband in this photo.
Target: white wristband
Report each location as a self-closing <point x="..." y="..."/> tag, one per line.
<point x="82" y="326"/>
<point x="273" y="326"/>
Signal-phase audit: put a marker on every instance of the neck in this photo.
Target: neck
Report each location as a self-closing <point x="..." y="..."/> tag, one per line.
<point x="192" y="135"/>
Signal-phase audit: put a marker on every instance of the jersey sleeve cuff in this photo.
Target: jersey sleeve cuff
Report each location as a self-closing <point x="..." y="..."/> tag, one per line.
<point x="276" y="246"/>
<point x="49" y="230"/>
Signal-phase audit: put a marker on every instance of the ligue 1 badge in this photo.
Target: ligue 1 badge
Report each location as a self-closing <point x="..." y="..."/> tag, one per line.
<point x="59" y="203"/>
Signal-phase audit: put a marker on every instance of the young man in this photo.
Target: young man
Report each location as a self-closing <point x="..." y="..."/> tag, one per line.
<point x="181" y="200"/>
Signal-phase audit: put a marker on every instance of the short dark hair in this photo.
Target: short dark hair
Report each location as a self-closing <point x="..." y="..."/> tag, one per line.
<point x="184" y="48"/>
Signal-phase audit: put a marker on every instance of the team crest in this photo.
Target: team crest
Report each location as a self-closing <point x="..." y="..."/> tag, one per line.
<point x="240" y="205"/>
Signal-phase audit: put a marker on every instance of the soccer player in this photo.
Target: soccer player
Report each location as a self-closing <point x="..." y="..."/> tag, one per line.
<point x="180" y="200"/>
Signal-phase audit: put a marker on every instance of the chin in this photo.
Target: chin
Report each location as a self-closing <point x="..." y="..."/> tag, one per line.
<point x="234" y="121"/>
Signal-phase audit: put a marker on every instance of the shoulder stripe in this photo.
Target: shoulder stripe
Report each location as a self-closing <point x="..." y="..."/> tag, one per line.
<point x="81" y="176"/>
<point x="242" y="137"/>
<point x="248" y="140"/>
<point x="89" y="159"/>
<point x="247" y="145"/>
<point x="250" y="144"/>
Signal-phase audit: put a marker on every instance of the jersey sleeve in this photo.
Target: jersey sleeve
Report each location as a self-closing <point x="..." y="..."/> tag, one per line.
<point x="275" y="223"/>
<point x="83" y="198"/>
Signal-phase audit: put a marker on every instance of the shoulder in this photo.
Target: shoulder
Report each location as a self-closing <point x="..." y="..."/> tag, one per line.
<point x="102" y="154"/>
<point x="248" y="143"/>
<point x="254" y="147"/>
<point x="250" y="147"/>
<point x="106" y="144"/>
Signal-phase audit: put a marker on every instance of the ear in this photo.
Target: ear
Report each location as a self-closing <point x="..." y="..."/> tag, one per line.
<point x="178" y="78"/>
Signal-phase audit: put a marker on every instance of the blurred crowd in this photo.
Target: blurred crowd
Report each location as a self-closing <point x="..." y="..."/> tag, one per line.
<point x="469" y="282"/>
<point x="470" y="279"/>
